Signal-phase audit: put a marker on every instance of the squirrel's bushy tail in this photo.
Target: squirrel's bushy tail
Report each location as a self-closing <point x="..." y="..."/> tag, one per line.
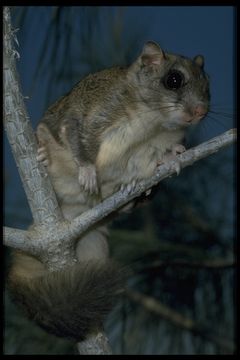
<point x="72" y="302"/>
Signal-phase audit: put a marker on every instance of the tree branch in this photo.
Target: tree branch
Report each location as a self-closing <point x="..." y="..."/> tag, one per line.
<point x="17" y="239"/>
<point x="114" y="202"/>
<point x="37" y="185"/>
<point x="217" y="263"/>
<point x="80" y="224"/>
<point x="186" y="323"/>
<point x="95" y="345"/>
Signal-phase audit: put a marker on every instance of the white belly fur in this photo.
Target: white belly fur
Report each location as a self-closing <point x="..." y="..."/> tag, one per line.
<point x="138" y="162"/>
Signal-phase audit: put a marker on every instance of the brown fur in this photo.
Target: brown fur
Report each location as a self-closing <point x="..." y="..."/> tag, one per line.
<point x="111" y="129"/>
<point x="108" y="118"/>
<point x="70" y="303"/>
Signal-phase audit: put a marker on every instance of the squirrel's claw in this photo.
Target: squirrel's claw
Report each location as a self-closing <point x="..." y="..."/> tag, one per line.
<point x="176" y="149"/>
<point x="129" y="187"/>
<point x="42" y="155"/>
<point x="87" y="178"/>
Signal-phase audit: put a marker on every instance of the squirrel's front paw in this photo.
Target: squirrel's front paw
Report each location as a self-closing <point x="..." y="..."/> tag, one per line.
<point x="87" y="178"/>
<point x="129" y="187"/>
<point x="42" y="155"/>
<point x="176" y="149"/>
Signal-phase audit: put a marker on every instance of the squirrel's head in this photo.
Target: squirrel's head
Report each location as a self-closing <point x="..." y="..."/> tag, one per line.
<point x="175" y="85"/>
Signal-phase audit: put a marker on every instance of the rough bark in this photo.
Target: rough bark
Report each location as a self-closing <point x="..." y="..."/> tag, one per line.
<point x="95" y="345"/>
<point x="37" y="185"/>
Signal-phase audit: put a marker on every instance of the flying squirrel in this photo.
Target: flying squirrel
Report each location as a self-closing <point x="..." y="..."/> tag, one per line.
<point x="110" y="131"/>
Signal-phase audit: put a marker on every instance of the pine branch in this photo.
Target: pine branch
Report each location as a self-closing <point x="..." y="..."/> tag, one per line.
<point x="158" y="308"/>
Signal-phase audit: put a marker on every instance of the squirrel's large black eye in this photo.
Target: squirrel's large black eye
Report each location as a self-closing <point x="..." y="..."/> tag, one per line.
<point x="174" y="80"/>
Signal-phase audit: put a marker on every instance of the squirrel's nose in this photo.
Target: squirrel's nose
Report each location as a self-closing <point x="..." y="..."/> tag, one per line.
<point x="200" y="110"/>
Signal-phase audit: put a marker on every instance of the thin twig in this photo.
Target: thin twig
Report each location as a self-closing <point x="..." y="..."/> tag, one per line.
<point x="207" y="264"/>
<point x="186" y="323"/>
<point x="114" y="202"/>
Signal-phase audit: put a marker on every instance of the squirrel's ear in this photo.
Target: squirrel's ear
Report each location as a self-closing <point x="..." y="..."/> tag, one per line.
<point x="199" y="60"/>
<point x="152" y="54"/>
